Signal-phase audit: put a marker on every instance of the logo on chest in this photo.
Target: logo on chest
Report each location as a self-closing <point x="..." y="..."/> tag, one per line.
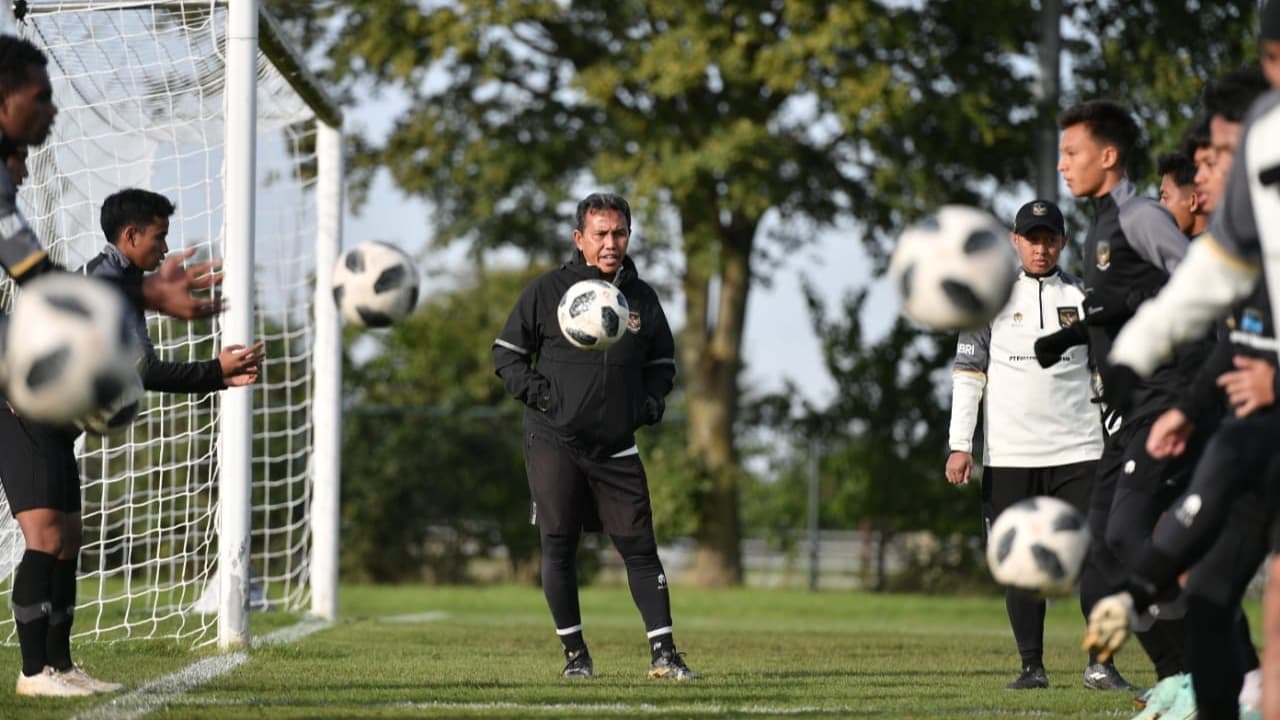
<point x="1068" y="315"/>
<point x="633" y="322"/>
<point x="1104" y="255"/>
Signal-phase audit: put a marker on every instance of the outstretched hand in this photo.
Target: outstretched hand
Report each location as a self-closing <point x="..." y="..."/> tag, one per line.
<point x="240" y="365"/>
<point x="172" y="288"/>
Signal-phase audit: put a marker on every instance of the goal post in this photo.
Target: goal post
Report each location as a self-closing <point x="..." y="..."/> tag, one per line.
<point x="208" y="504"/>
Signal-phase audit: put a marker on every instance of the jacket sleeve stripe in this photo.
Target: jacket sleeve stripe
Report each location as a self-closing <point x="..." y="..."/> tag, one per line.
<point x="510" y="346"/>
<point x="20" y="268"/>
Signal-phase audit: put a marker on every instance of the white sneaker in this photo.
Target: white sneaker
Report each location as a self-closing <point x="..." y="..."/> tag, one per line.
<point x="49" y="683"/>
<point x="80" y="678"/>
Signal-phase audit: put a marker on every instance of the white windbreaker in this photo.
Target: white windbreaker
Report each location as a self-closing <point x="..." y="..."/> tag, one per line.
<point x="1032" y="417"/>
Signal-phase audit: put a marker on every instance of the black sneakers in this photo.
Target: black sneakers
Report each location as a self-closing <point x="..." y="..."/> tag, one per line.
<point x="1032" y="678"/>
<point x="1104" y="676"/>
<point x="577" y="664"/>
<point x="670" y="666"/>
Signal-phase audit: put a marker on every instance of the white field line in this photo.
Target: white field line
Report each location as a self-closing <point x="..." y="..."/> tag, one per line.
<point x="422" y="617"/>
<point x="167" y="689"/>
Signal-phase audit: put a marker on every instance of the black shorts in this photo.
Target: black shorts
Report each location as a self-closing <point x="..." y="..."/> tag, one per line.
<point x="38" y="465"/>
<point x="571" y="492"/>
<point x="1004" y="486"/>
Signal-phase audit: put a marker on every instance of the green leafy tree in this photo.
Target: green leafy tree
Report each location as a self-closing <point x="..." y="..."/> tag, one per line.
<point x="879" y="441"/>
<point x="432" y="464"/>
<point x="738" y="128"/>
<point x="1155" y="56"/>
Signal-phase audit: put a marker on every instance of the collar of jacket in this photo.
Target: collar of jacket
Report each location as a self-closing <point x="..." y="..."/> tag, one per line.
<point x="1119" y="195"/>
<point x="117" y="259"/>
<point x="1056" y="272"/>
<point x="578" y="266"/>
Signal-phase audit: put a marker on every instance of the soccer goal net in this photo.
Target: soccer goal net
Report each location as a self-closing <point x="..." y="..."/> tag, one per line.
<point x="144" y="98"/>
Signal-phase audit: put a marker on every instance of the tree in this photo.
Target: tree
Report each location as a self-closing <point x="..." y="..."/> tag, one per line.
<point x="1154" y="56"/>
<point x="737" y="127"/>
<point x="882" y="436"/>
<point x="432" y="470"/>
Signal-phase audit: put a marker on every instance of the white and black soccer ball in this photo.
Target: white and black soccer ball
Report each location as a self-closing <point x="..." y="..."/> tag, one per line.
<point x="72" y="353"/>
<point x="116" y="414"/>
<point x="593" y="314"/>
<point x="375" y="284"/>
<point x="954" y="269"/>
<point x="1039" y="545"/>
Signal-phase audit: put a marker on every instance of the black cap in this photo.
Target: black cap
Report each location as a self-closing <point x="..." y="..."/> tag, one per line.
<point x="1039" y="214"/>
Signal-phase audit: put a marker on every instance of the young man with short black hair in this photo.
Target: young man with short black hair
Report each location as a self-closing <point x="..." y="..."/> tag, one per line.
<point x="1132" y="246"/>
<point x="135" y="224"/>
<point x="37" y="462"/>
<point x="1177" y="172"/>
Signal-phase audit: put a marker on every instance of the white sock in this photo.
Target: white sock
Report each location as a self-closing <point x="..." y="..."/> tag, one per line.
<point x="1251" y="691"/>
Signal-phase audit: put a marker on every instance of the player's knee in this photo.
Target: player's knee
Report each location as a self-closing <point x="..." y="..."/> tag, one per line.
<point x="559" y="548"/>
<point x="636" y="546"/>
<point x="46" y="539"/>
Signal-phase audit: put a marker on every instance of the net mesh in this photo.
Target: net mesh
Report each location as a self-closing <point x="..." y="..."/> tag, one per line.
<point x="140" y="90"/>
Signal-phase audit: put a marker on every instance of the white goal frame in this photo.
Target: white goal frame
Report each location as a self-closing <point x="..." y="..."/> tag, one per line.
<point x="249" y="31"/>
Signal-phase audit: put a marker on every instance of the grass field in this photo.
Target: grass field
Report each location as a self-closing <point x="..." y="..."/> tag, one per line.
<point x="431" y="652"/>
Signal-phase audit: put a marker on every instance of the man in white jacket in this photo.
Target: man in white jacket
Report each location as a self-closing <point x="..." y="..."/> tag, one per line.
<point x="1042" y="430"/>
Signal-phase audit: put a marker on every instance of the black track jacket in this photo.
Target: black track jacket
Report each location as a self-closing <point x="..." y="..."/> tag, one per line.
<point x="201" y="376"/>
<point x="589" y="400"/>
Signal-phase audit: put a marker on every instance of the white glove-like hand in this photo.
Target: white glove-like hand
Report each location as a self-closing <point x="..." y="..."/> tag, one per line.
<point x="1109" y="626"/>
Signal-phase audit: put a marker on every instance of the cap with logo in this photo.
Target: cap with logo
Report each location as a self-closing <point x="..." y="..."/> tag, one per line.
<point x="1039" y="214"/>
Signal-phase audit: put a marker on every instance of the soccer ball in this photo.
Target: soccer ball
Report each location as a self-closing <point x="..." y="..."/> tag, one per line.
<point x="1038" y="544"/>
<point x="375" y="284"/>
<point x="117" y="413"/>
<point x="72" y="353"/>
<point x="954" y="269"/>
<point x="593" y="314"/>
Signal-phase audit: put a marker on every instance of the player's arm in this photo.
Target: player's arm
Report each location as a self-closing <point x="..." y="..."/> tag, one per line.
<point x="169" y="290"/>
<point x="1153" y="234"/>
<point x="1206" y="284"/>
<point x="1221" y="268"/>
<point x="20" y="251"/>
<point x="659" y="365"/>
<point x="514" y="350"/>
<point x="968" y="381"/>
<point x="158" y="375"/>
<point x="1201" y="400"/>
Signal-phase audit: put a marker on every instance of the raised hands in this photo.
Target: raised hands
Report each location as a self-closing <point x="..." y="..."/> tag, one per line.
<point x="172" y="288"/>
<point x="241" y="365"/>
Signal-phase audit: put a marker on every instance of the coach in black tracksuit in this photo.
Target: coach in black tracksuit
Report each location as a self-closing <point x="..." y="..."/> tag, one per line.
<point x="582" y="409"/>
<point x="1131" y="247"/>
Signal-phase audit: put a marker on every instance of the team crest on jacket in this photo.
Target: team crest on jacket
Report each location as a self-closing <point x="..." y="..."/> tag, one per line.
<point x="1068" y="315"/>
<point x="1104" y="255"/>
<point x="633" y="321"/>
